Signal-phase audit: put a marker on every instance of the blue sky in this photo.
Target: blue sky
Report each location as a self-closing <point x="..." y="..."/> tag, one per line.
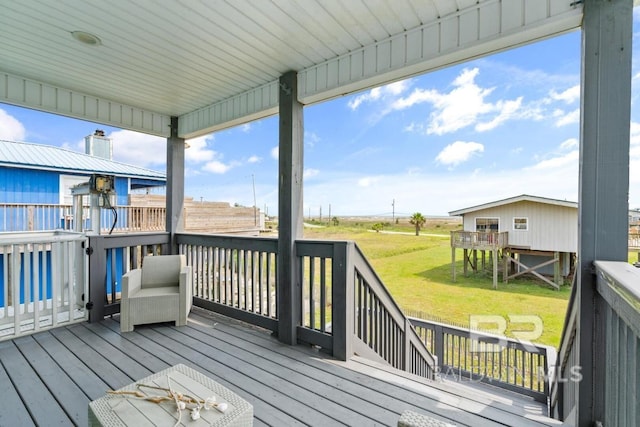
<point x="491" y="128"/>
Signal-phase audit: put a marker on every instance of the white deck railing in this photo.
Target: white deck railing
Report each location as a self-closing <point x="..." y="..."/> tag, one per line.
<point x="43" y="283"/>
<point x="20" y="217"/>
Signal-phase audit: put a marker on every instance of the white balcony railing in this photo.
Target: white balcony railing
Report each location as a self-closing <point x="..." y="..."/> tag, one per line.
<point x="43" y="283"/>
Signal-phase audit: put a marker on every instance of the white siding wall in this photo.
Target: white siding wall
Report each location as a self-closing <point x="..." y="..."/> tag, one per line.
<point x="551" y="227"/>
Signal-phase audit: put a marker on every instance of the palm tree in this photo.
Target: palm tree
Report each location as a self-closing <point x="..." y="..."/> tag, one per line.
<point x="418" y="220"/>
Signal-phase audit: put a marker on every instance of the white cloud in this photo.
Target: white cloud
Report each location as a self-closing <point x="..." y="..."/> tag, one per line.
<point x="198" y="150"/>
<point x="217" y="167"/>
<point x="568" y="96"/>
<point x="254" y="159"/>
<point x="309" y="172"/>
<point x="564" y="161"/>
<point x="275" y="152"/>
<point x="390" y="90"/>
<point x="311" y="138"/>
<point x="10" y="128"/>
<point x="463" y="106"/>
<point x="367" y="181"/>
<point x="139" y="149"/>
<point x="246" y="128"/>
<point x="634" y="133"/>
<point x="507" y="110"/>
<point x="570" y="144"/>
<point x="459" y="152"/>
<point x="416" y="192"/>
<point x="568" y="118"/>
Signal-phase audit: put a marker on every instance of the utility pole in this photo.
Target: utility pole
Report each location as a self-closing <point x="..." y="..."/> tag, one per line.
<point x="393" y="210"/>
<point x="329" y="213"/>
<point x="255" y="206"/>
<point x="320" y="213"/>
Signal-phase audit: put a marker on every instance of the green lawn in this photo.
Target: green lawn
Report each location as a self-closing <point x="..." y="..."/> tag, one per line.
<point x="417" y="272"/>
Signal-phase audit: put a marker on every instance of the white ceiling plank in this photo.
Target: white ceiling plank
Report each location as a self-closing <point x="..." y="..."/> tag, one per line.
<point x="209" y="62"/>
<point x="450" y="49"/>
<point x="28" y="93"/>
<point x="252" y="105"/>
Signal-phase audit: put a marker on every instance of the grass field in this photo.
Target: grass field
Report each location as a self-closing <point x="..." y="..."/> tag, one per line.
<point x="417" y="272"/>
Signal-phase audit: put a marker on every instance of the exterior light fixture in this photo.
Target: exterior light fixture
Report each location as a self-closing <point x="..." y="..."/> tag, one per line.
<point x="86" y="38"/>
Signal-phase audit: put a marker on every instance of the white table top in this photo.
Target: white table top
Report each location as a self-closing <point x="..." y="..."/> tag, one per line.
<point x="122" y="410"/>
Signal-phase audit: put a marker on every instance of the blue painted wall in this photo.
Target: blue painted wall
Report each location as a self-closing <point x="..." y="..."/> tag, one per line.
<point x="41" y="186"/>
<point x="29" y="186"/>
<point x="122" y="191"/>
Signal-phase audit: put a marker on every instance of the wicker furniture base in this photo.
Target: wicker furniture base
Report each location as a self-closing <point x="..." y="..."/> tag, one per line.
<point x="414" y="419"/>
<point x="118" y="410"/>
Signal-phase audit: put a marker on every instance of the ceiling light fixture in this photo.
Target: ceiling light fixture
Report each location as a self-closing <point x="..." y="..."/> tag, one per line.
<point x="86" y="38"/>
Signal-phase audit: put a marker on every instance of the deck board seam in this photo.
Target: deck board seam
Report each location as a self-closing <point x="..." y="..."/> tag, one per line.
<point x="250" y="367"/>
<point x="284" y="367"/>
<point x="257" y="401"/>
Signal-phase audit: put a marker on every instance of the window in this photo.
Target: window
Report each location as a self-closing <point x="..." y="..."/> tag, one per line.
<point x="487" y="225"/>
<point x="520" y="224"/>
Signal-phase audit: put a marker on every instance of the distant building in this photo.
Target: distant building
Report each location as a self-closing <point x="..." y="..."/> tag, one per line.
<point x="34" y="178"/>
<point x="531" y="234"/>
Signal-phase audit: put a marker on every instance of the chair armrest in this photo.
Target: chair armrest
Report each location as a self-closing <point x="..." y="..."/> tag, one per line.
<point x="185" y="285"/>
<point x="131" y="282"/>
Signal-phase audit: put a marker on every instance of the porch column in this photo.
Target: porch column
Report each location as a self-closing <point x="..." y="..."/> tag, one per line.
<point x="604" y="179"/>
<point x="290" y="209"/>
<point x="175" y="184"/>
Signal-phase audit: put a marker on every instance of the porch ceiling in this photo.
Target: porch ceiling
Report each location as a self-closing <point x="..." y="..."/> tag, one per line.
<point x="216" y="64"/>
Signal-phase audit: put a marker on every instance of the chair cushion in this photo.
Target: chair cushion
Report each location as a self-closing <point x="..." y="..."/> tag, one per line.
<point x="162" y="270"/>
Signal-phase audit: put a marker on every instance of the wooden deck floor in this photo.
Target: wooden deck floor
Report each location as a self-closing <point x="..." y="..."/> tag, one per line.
<point x="49" y="378"/>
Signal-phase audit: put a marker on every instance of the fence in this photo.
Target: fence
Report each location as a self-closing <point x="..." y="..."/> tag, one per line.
<point x="346" y="307"/>
<point x="43" y="282"/>
<point x="478" y="356"/>
<point x="49" y="217"/>
<point x="234" y="275"/>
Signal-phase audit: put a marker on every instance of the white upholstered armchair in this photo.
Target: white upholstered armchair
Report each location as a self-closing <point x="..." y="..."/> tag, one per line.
<point x="160" y="291"/>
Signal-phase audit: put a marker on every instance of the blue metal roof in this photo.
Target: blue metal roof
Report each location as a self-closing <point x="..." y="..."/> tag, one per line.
<point x="36" y="156"/>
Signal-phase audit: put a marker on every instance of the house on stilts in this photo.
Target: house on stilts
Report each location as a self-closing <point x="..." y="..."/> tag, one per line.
<point x="522" y="234"/>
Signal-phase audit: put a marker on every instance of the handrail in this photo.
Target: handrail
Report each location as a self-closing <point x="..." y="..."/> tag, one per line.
<point x="502" y="362"/>
<point x="618" y="286"/>
<point x="371" y="323"/>
<point x="479" y="239"/>
<point x="566" y="358"/>
<point x="617" y="337"/>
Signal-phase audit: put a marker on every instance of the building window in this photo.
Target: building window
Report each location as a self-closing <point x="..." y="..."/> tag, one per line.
<point x="487" y="225"/>
<point x="521" y="224"/>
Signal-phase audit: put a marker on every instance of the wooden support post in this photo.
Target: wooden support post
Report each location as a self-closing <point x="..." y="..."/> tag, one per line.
<point x="506" y="265"/>
<point x="290" y="210"/>
<point x="495" y="269"/>
<point x="475" y="260"/>
<point x="97" y="278"/>
<point x="175" y="184"/>
<point x="607" y="34"/>
<point x="557" y="277"/>
<point x="343" y="300"/>
<point x="453" y="263"/>
<point x="465" y="261"/>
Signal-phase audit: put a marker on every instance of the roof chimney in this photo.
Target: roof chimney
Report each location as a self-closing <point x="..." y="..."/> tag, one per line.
<point x="99" y="145"/>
